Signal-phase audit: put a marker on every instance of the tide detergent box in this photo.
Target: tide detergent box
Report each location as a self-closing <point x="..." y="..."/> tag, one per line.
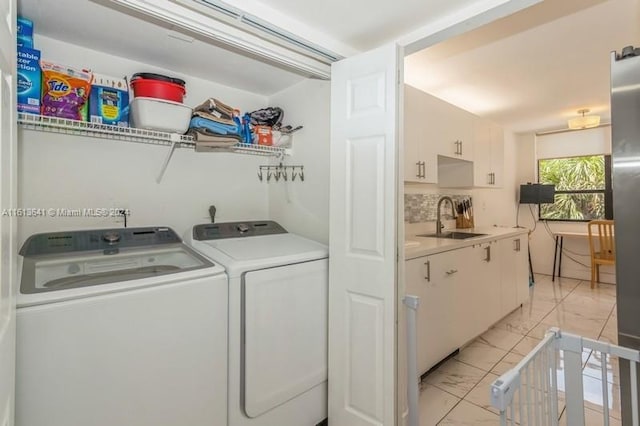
<point x="109" y="101"/>
<point x="25" y="32"/>
<point x="29" y="80"/>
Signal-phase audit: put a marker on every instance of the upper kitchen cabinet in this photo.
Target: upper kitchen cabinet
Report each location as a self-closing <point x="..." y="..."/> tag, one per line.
<point x="450" y="128"/>
<point x="450" y="146"/>
<point x="488" y="154"/>
<point x="420" y="155"/>
<point x="433" y="128"/>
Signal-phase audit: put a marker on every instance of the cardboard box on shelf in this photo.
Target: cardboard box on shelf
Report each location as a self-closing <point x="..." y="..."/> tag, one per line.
<point x="109" y="101"/>
<point x="263" y="135"/>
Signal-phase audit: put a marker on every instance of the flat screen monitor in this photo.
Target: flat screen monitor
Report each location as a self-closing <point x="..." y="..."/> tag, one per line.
<point x="536" y="193"/>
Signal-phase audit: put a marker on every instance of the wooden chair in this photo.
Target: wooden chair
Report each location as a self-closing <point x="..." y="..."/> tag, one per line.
<point x="602" y="247"/>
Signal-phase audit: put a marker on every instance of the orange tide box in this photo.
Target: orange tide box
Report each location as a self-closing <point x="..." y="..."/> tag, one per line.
<point x="263" y="135"/>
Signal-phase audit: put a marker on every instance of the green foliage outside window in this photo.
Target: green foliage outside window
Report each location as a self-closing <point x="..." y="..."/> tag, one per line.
<point x="580" y="187"/>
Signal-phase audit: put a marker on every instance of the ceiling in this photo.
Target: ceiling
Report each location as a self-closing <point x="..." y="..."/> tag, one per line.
<point x="533" y="70"/>
<point x="363" y="24"/>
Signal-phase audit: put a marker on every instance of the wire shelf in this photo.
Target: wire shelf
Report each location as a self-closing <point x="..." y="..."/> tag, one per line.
<point x="103" y="131"/>
<point x="131" y="134"/>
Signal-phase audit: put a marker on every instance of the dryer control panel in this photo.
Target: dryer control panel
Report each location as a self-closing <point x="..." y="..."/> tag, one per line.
<point x="217" y="231"/>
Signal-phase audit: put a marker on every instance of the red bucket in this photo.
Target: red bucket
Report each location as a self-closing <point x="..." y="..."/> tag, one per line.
<point x="158" y="86"/>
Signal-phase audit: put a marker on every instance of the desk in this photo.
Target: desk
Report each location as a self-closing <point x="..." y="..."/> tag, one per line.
<point x="557" y="254"/>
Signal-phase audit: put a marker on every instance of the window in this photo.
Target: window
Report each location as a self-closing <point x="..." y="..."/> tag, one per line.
<point x="583" y="188"/>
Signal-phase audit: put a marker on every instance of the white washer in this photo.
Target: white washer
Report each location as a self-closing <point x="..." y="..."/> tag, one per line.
<point x="278" y="285"/>
<point x="120" y="327"/>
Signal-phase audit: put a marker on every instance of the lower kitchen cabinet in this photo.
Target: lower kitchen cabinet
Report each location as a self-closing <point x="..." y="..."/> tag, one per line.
<point x="434" y="280"/>
<point x="463" y="292"/>
<point x="479" y="291"/>
<point x="514" y="273"/>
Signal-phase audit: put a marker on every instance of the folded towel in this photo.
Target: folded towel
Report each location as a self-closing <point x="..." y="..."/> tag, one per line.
<point x="217" y="108"/>
<point x="212" y="117"/>
<point x="214" y="127"/>
<point x="204" y="135"/>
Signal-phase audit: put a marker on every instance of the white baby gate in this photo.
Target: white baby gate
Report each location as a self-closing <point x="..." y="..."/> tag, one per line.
<point x="528" y="394"/>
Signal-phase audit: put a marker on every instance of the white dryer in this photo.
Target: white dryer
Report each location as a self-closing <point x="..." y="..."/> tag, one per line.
<point x="278" y="285"/>
<point x="120" y="327"/>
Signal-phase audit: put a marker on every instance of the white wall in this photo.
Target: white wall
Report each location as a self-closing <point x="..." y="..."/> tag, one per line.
<point x="303" y="207"/>
<point x="61" y="171"/>
<point x="575" y="261"/>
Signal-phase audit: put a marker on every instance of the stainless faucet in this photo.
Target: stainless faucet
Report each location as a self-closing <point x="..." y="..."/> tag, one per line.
<point x="439" y="224"/>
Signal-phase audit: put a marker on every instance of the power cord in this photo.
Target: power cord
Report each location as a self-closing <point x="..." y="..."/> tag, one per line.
<point x="533" y="216"/>
<point x="565" y="251"/>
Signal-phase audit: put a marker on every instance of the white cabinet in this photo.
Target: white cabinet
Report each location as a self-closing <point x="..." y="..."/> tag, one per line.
<point x="434" y="279"/>
<point x="488" y="154"/>
<point x="449" y="128"/>
<point x="433" y="128"/>
<point x="514" y="273"/>
<point x="463" y="292"/>
<point x="437" y="135"/>
<point x="479" y="292"/>
<point x="420" y="156"/>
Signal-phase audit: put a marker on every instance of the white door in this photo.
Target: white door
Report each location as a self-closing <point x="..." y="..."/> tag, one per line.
<point x="8" y="249"/>
<point x="365" y="99"/>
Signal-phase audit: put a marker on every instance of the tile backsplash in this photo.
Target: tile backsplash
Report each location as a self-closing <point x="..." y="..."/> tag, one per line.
<point x="422" y="207"/>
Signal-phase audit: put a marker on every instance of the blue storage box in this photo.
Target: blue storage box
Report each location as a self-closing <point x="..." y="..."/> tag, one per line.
<point x="25" y="32"/>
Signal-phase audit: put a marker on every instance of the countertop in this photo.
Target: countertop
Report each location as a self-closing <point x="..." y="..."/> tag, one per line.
<point x="423" y="246"/>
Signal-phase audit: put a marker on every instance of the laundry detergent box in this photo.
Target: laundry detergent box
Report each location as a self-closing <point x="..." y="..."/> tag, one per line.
<point x="25" y="32"/>
<point x="65" y="91"/>
<point x="109" y="101"/>
<point x="29" y="80"/>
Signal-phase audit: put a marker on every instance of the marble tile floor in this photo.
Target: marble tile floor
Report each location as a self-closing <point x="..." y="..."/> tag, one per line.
<point x="457" y="393"/>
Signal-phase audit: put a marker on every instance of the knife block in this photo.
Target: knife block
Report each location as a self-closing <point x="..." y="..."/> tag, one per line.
<point x="462" y="222"/>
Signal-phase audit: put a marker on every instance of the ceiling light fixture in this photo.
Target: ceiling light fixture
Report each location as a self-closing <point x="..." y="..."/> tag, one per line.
<point x="584" y="121"/>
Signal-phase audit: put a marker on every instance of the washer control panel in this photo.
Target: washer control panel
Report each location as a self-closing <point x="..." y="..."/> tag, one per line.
<point x="217" y="231"/>
<point x="98" y="239"/>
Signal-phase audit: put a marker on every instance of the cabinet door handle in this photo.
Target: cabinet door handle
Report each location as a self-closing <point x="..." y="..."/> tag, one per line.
<point x="488" y="251"/>
<point x="458" y="147"/>
<point x="427" y="275"/>
<point x="451" y="271"/>
<point x="517" y="244"/>
<point x="418" y="174"/>
<point x="489" y="178"/>
<point x="423" y="173"/>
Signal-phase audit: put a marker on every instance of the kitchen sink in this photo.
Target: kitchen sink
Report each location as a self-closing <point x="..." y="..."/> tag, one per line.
<point x="453" y="235"/>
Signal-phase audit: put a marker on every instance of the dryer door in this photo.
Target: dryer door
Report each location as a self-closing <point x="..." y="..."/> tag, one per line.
<point x="284" y="333"/>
